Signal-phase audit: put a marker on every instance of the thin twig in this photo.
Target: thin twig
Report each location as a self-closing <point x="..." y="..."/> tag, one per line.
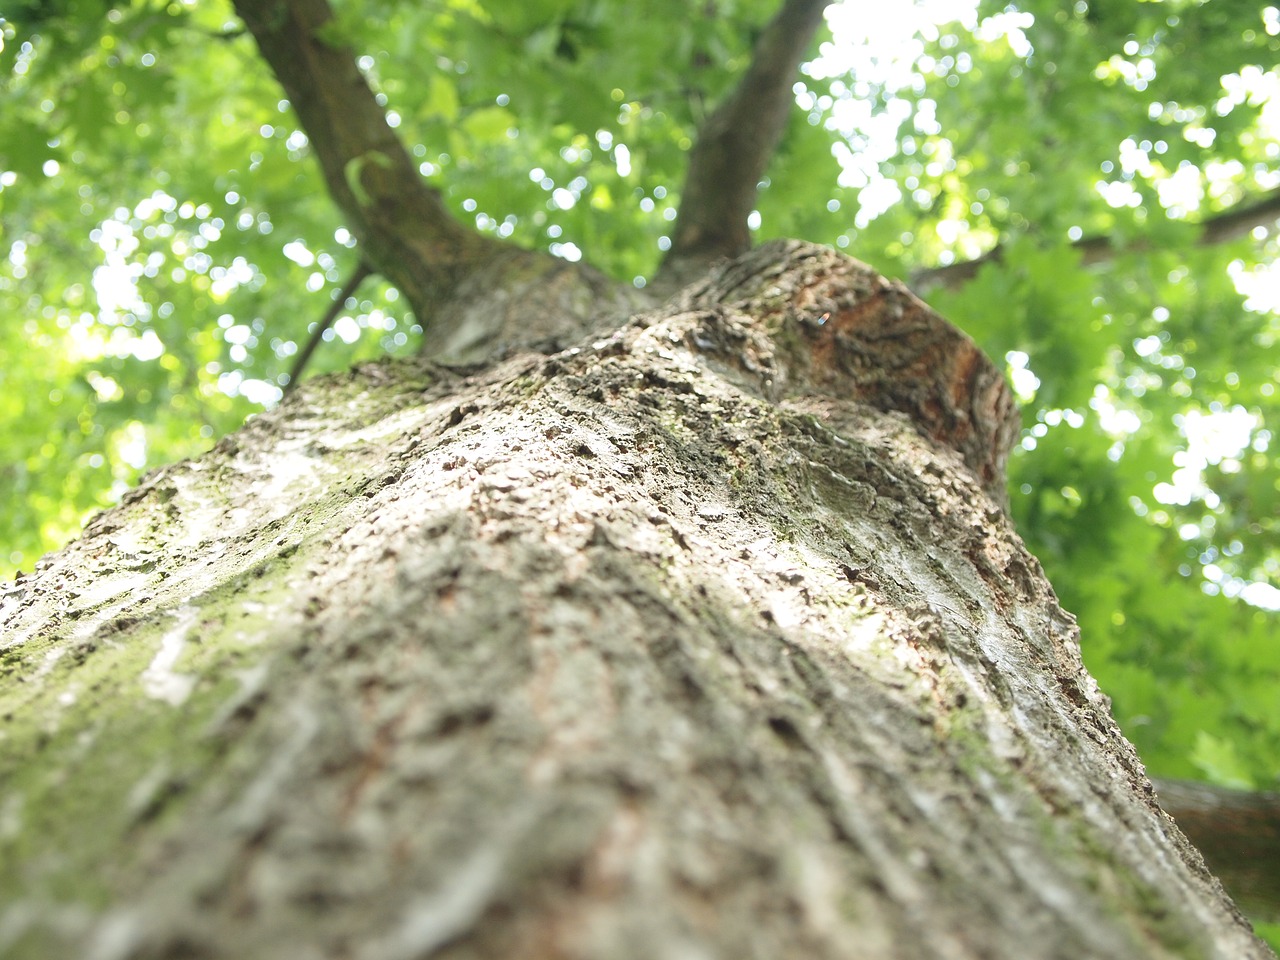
<point x="362" y="271"/>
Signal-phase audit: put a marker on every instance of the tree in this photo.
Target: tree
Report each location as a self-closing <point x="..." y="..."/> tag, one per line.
<point x="728" y="641"/>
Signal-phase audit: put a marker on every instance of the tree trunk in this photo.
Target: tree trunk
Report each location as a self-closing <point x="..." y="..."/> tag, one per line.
<point x="707" y="637"/>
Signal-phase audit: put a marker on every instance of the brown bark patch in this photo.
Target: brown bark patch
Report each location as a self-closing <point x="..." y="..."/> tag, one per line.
<point x="839" y="329"/>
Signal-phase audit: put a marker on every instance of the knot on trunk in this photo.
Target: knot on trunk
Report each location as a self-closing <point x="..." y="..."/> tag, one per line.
<point x="836" y="328"/>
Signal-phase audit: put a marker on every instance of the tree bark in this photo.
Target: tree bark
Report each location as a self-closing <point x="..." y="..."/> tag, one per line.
<point x="706" y="637"/>
<point x="702" y="634"/>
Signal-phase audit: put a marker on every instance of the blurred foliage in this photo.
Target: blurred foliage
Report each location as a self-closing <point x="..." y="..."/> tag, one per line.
<point x="165" y="243"/>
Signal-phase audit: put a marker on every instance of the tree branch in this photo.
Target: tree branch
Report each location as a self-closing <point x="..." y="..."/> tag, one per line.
<point x="1224" y="227"/>
<point x="1238" y="833"/>
<point x="735" y="144"/>
<point x="357" y="277"/>
<point x="404" y="228"/>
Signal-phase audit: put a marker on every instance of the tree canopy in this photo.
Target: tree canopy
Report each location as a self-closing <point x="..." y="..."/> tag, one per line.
<point x="1089" y="190"/>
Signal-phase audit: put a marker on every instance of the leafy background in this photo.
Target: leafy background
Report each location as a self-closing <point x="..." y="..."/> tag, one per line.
<point x="167" y="246"/>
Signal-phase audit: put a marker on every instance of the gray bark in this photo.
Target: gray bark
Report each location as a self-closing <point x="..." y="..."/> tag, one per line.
<point x="707" y="637"/>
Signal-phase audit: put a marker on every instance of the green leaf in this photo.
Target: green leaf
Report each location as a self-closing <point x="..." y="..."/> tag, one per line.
<point x="489" y="123"/>
<point x="1218" y="761"/>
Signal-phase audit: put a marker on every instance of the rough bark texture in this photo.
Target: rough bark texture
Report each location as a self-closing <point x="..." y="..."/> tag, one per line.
<point x="698" y="639"/>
